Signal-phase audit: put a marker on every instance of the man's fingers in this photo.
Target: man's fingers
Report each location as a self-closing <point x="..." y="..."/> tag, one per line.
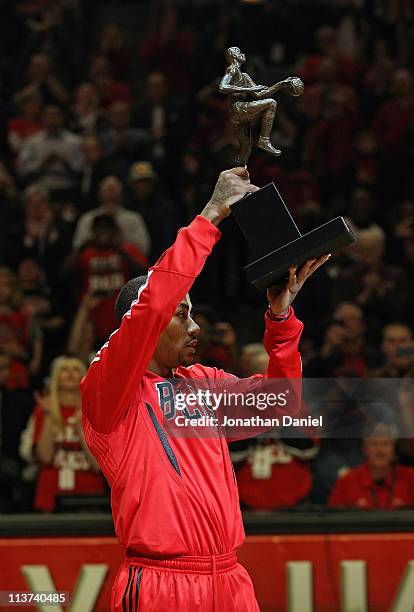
<point x="239" y="170"/>
<point x="304" y="271"/>
<point x="317" y="264"/>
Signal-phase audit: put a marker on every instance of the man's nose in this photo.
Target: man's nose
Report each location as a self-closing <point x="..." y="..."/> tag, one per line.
<point x="193" y="328"/>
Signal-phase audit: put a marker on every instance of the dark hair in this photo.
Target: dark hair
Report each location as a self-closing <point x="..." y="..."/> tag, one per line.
<point x="104" y="222"/>
<point x="127" y="295"/>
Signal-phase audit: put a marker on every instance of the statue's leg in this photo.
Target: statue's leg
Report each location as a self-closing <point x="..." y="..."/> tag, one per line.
<point x="243" y="131"/>
<point x="268" y="118"/>
<point x="267" y="110"/>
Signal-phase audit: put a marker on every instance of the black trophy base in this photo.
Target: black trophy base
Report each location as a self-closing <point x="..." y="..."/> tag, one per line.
<point x="274" y="267"/>
<point x="276" y="241"/>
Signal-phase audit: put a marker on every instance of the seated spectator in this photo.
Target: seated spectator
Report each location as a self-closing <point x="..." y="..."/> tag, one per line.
<point x="149" y="200"/>
<point x="15" y="409"/>
<point x="66" y="465"/>
<point x="102" y="266"/>
<point x="379" y="483"/>
<point x="122" y="143"/>
<point x="110" y="203"/>
<point x="274" y="473"/>
<point x="86" y="114"/>
<point x="41" y="80"/>
<point x="53" y="156"/>
<point x="380" y="289"/>
<point x="27" y="123"/>
<point x="20" y="337"/>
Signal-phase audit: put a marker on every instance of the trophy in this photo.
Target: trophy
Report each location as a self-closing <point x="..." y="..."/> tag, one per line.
<point x="273" y="236"/>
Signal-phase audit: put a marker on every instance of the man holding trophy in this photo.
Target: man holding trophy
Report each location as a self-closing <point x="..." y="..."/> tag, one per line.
<point x="175" y="503"/>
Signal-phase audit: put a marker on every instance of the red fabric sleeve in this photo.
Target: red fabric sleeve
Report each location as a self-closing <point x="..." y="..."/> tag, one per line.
<point x="114" y="374"/>
<point x="281" y="342"/>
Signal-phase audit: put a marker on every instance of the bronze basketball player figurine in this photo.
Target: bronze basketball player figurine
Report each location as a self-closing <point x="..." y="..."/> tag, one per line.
<point x="242" y="111"/>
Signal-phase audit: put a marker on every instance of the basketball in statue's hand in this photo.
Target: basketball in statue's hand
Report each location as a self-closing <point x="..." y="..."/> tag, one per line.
<point x="296" y="86"/>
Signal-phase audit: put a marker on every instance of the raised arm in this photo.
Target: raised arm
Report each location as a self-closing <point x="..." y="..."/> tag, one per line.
<point x="116" y="371"/>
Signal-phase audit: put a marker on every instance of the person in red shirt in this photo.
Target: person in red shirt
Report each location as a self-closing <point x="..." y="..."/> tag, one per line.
<point x="174" y="498"/>
<point x="379" y="483"/>
<point x="103" y="266"/>
<point x="55" y="434"/>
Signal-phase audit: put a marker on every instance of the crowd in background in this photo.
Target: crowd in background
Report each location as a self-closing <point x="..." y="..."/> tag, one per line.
<point x="112" y="137"/>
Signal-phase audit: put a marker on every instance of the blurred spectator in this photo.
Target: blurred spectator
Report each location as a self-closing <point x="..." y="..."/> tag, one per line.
<point x="53" y="156"/>
<point x="397" y="348"/>
<point x="83" y="341"/>
<point x="110" y="203"/>
<point x="379" y="483"/>
<point x="27" y="122"/>
<point x="94" y="170"/>
<point x="395" y="115"/>
<point x="121" y="143"/>
<point x="167" y="48"/>
<point x="113" y="46"/>
<point x="216" y="341"/>
<point x="102" y="266"/>
<point x="66" y="465"/>
<point x="379" y="288"/>
<point x="377" y="77"/>
<point x="329" y="146"/>
<point x="42" y="81"/>
<point x="109" y="90"/>
<point x="15" y="408"/>
<point x="40" y="236"/>
<point x="86" y="114"/>
<point x="43" y="306"/>
<point x="253" y="360"/>
<point x="149" y="199"/>
<point x="313" y="100"/>
<point x="366" y="164"/>
<point x="344" y="350"/>
<point x="164" y="117"/>
<point x="327" y="47"/>
<point x="20" y="337"/>
<point x="193" y="185"/>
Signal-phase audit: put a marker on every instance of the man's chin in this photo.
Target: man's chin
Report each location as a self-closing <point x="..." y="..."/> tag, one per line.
<point x="187" y="360"/>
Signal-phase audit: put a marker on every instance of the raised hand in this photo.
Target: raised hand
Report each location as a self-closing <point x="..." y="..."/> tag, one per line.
<point x="280" y="298"/>
<point x="231" y="186"/>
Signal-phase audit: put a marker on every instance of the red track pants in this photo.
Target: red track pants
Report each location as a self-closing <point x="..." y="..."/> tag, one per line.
<point x="183" y="584"/>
